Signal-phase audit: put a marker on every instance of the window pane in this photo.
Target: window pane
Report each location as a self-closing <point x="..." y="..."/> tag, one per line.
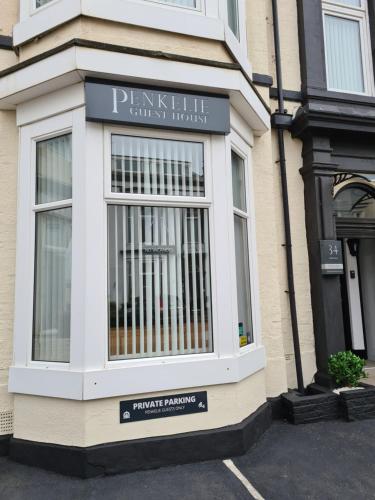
<point x="343" y="52"/>
<point x="157" y="166"/>
<point x="355" y="3"/>
<point x="39" y="3"/>
<point x="238" y="182"/>
<point x="53" y="258"/>
<point x="159" y="288"/>
<point x="192" y="4"/>
<point x="232" y="6"/>
<point x="245" y="328"/>
<point x="354" y="203"/>
<point x="54" y="169"/>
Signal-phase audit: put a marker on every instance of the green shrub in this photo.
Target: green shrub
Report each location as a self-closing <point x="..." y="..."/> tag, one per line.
<point x="346" y="368"/>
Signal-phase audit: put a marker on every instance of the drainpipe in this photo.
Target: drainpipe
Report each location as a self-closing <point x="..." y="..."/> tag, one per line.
<point x="281" y="120"/>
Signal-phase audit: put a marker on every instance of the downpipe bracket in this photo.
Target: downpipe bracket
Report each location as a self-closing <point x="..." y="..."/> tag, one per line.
<point x="281" y="121"/>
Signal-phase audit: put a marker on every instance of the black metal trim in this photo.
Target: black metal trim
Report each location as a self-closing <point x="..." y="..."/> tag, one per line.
<point x="6" y="42"/>
<point x="311" y="44"/>
<point x="289" y="95"/>
<point x="262" y="80"/>
<point x="143" y="454"/>
<point x="347" y="227"/>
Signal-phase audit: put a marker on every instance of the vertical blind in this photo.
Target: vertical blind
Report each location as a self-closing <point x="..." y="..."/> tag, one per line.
<point x="238" y="182"/>
<point x="53" y="251"/>
<point x="243" y="279"/>
<point x="343" y="54"/>
<point x="54" y="170"/>
<point x="156" y="166"/>
<point x="158" y="281"/>
<point x="245" y="327"/>
<point x="52" y="285"/>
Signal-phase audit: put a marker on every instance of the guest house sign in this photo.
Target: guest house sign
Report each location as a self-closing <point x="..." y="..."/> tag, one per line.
<point x="151" y="107"/>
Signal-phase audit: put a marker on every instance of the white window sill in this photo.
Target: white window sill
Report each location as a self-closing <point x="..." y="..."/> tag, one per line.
<point x="145" y="378"/>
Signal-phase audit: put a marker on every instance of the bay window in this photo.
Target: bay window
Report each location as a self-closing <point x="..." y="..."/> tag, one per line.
<point x="347" y="46"/>
<point x="135" y="273"/>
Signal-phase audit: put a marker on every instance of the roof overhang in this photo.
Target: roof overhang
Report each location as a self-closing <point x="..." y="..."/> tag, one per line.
<point x="60" y="69"/>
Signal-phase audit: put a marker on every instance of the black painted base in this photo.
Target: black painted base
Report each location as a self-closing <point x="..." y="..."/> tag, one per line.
<point x="142" y="454"/>
<point x="4" y="445"/>
<point x="324" y="379"/>
<point x="311" y="408"/>
<point x="277" y="407"/>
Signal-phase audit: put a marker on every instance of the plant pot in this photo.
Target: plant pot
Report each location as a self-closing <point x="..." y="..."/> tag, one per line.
<point x="304" y="409"/>
<point x="358" y="405"/>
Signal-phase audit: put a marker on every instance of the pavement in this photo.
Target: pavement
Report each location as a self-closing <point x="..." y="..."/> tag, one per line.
<point x="322" y="461"/>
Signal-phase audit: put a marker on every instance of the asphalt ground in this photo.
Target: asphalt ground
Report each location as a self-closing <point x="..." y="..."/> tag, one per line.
<point x="327" y="460"/>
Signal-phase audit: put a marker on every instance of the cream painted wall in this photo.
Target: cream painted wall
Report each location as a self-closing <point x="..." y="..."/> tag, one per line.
<point x="259" y="35"/>
<point x="9" y="16"/>
<point x="8" y="186"/>
<point x="261" y="44"/>
<point x="76" y="423"/>
<point x="288" y="25"/>
<point x="293" y="150"/>
<point x="127" y="35"/>
<point x="268" y="263"/>
<point x="277" y="333"/>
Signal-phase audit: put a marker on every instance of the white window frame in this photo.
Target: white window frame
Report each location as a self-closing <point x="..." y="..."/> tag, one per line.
<point x="243" y="150"/>
<point x="90" y="374"/>
<point x="360" y="15"/>
<point x="151" y="200"/>
<point x="27" y="209"/>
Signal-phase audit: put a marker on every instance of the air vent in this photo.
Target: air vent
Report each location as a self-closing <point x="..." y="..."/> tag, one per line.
<point x="6" y="422"/>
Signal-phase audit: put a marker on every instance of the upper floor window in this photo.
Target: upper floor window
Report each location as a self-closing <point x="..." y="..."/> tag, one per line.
<point x="347" y="46"/>
<point x="187" y="4"/>
<point x="40" y="3"/>
<point x="233" y="18"/>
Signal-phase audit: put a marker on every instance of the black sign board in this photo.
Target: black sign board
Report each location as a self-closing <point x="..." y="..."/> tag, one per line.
<point x="331" y="257"/>
<point x="151" y="107"/>
<point x="163" y="406"/>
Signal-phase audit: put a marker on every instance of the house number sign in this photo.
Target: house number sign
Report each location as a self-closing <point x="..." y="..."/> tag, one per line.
<point x="331" y="257"/>
<point x="162" y="108"/>
<point x="164" y="406"/>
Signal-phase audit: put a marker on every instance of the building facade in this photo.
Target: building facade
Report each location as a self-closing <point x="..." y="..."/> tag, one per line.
<point x="144" y="286"/>
<point x="336" y="124"/>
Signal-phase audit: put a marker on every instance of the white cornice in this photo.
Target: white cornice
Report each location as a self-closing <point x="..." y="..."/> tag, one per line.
<point x="75" y="63"/>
